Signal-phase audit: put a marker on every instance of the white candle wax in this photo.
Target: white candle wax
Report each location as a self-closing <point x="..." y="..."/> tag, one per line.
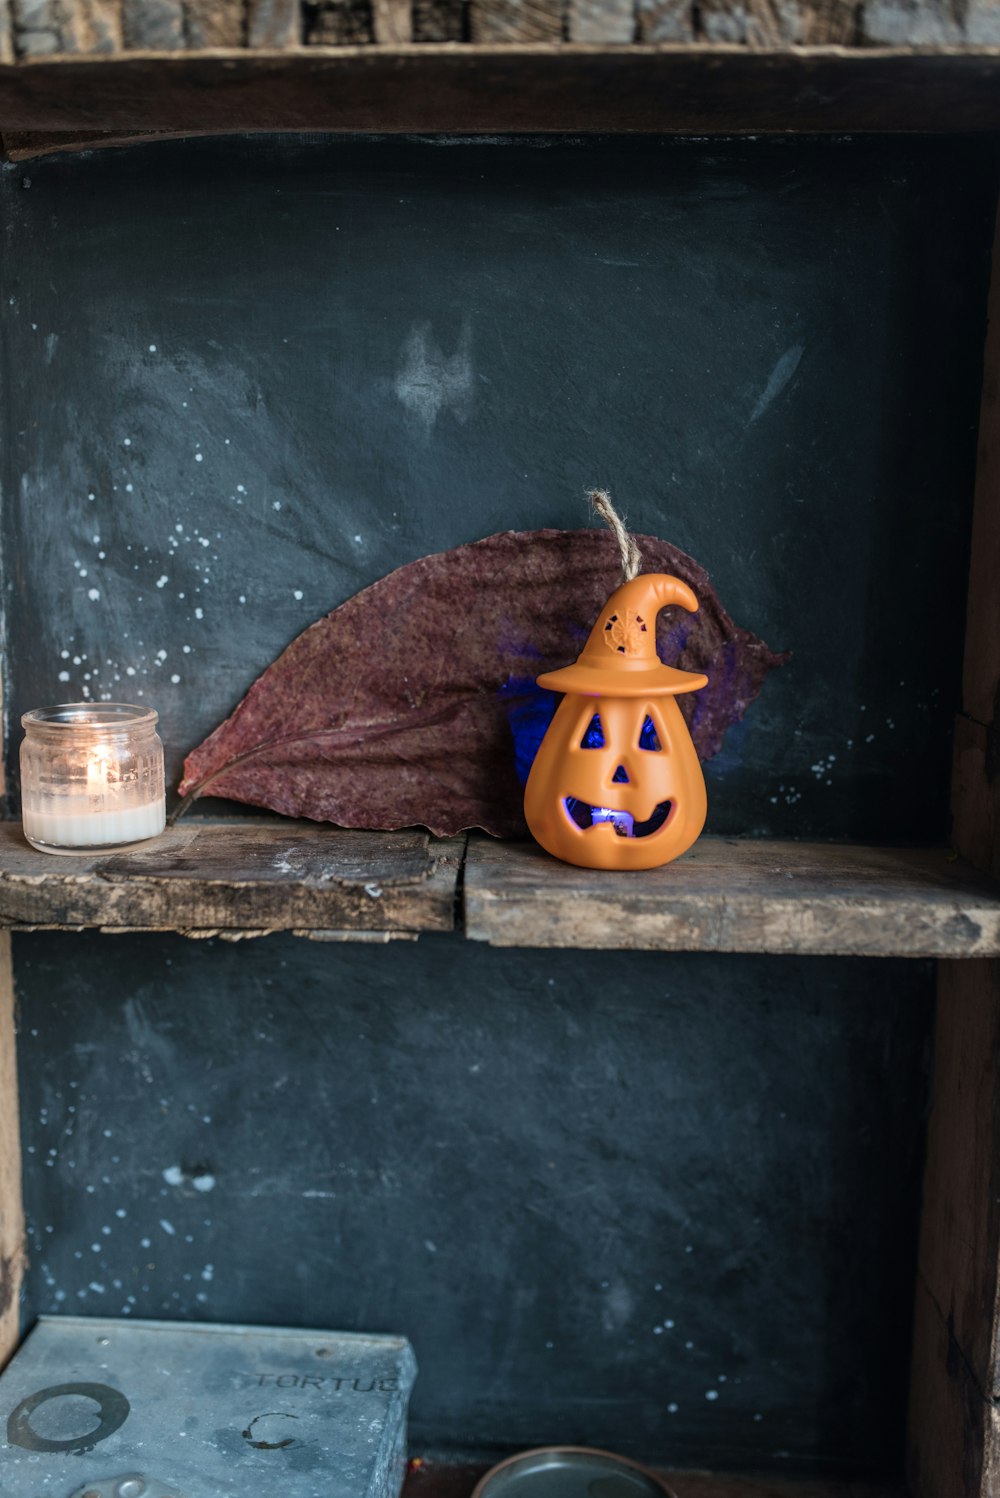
<point x="75" y="825"/>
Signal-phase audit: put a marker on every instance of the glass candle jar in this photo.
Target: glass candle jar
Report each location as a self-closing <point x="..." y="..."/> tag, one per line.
<point x="91" y="777"/>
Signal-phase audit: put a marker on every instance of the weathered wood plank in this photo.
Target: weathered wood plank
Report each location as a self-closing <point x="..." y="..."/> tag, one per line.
<point x="981" y="675"/>
<point x="608" y="21"/>
<point x="929" y="23"/>
<point x="727" y="896"/>
<point x="269" y="876"/>
<point x="439" y="20"/>
<point x="954" y="1428"/>
<point x="153" y="25"/>
<point x="11" y="1210"/>
<point x="44" y="27"/>
<point x="274" y="23"/>
<point x="665" y="21"/>
<point x="26" y="145"/>
<point x="339" y="23"/>
<point x="500" y="21"/>
<point x="214" y="23"/>
<point x="393" y="22"/>
<point x="427" y="88"/>
<point x="954" y="1419"/>
<point x="976" y="794"/>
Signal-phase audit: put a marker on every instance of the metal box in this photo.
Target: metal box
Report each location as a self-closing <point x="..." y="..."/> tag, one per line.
<point x="149" y="1409"/>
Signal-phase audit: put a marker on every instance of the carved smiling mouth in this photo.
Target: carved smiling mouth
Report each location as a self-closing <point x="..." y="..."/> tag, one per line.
<point x="584" y="816"/>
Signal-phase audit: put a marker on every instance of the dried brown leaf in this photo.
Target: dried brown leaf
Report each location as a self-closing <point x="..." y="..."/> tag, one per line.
<point x="397" y="708"/>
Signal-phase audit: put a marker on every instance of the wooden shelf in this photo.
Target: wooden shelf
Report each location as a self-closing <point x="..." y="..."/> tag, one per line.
<point x="240" y="879"/>
<point x="464" y="88"/>
<point x="243" y="878"/>
<point x="731" y="896"/>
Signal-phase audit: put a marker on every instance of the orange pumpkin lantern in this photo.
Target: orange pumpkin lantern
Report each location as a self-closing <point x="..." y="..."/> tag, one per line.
<point x="616" y="783"/>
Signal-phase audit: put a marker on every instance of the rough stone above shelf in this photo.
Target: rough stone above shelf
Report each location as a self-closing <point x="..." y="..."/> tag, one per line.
<point x="732" y="896"/>
<point x="237" y="879"/>
<point x="43" y="28"/>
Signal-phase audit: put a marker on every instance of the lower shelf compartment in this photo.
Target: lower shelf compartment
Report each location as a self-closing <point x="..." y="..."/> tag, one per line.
<point x="434" y="1479"/>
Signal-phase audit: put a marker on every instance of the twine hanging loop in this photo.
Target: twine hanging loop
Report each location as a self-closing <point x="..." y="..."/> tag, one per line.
<point x="600" y="501"/>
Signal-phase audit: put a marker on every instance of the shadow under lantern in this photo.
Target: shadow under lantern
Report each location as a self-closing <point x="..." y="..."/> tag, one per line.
<point x="616" y="783"/>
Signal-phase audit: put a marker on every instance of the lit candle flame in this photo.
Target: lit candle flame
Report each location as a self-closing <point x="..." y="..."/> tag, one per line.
<point x="98" y="768"/>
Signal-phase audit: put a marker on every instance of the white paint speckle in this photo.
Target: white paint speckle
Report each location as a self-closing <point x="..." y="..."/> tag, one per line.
<point x="94" y="594"/>
<point x="127" y="442"/>
<point x="167" y="1227"/>
<point x="297" y="595"/>
<point x="64" y="676"/>
<point x="672" y="1408"/>
<point x="711" y="1393"/>
<point x="152" y="348"/>
<point x="174" y="1176"/>
<point x="199" y="613"/>
<point x="204" y="1183"/>
<point x="175" y="678"/>
<point x="199" y="457"/>
<point x="161" y="582"/>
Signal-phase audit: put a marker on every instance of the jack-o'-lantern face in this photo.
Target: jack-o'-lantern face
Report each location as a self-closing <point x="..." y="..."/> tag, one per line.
<point x="616" y="782"/>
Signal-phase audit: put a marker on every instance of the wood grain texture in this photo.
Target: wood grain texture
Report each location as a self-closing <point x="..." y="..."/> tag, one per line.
<point x="976" y="794"/>
<point x="665" y="21"/>
<point x="499" y="21"/>
<point x="205" y="879"/>
<point x="274" y="24"/>
<point x="954" y="1424"/>
<point x="11" y="1210"/>
<point x="439" y="20"/>
<point x="929" y="23"/>
<point x="728" y="896"/>
<point x="26" y="145"/>
<point x="981" y="675"/>
<point x="393" y="22"/>
<point x="43" y="27"/>
<point x="214" y="23"/>
<point x="602" y="21"/>
<point x="153" y="25"/>
<point x="954" y="1419"/>
<point x="339" y="23"/>
<point x="517" y="88"/>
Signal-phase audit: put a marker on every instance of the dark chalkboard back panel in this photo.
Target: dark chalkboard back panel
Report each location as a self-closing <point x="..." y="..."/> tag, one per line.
<point x="665" y="1205"/>
<point x="245" y="378"/>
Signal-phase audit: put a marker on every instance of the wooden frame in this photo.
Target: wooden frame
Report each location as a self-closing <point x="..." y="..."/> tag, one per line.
<point x="763" y="897"/>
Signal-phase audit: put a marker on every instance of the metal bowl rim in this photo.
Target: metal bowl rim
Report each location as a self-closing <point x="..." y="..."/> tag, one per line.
<point x="482" y="1486"/>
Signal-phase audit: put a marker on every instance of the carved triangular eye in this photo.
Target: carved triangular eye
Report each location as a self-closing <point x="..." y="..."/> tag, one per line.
<point x="594" y="736"/>
<point x="621" y="775"/>
<point x="649" y="738"/>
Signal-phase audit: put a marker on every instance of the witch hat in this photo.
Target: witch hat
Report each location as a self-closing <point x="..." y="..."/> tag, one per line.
<point x="620" y="659"/>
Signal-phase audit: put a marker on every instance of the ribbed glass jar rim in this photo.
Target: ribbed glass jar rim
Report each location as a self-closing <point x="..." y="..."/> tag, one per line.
<point x="99" y="717"/>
